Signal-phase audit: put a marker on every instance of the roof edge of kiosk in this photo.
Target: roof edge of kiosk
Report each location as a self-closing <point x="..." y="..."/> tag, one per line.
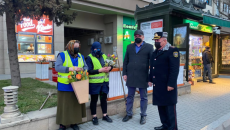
<point x="167" y="7"/>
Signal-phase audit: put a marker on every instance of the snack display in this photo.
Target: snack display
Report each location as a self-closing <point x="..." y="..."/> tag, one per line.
<point x="35" y="58"/>
<point x="226" y="52"/>
<point x="195" y="57"/>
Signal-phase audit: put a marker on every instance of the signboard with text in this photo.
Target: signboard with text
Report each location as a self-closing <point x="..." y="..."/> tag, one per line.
<point x="43" y="26"/>
<point x="150" y="28"/>
<point x="199" y="27"/>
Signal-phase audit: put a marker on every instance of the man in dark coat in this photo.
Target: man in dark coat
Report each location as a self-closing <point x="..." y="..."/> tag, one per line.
<point x="135" y="73"/>
<point x="164" y="70"/>
<point x="207" y="62"/>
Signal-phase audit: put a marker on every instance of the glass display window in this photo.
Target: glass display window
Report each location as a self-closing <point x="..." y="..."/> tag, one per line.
<point x="226" y="52"/>
<point x="197" y="45"/>
<point x="44" y="48"/>
<point x="25" y="44"/>
<point x="44" y="39"/>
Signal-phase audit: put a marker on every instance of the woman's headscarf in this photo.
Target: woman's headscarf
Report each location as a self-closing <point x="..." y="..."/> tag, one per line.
<point x="95" y="45"/>
<point x="70" y="47"/>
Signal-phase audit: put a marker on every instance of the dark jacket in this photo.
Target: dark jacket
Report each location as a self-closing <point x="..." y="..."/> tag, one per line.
<point x="207" y="57"/>
<point x="136" y="65"/>
<point x="164" y="70"/>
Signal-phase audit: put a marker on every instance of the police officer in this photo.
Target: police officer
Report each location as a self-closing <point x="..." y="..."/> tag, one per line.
<point x="165" y="63"/>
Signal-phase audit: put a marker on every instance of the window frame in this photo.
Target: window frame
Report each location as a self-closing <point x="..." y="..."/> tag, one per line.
<point x="36" y="43"/>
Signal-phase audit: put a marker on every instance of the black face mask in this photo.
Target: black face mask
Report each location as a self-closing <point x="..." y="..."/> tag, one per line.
<point x="158" y="45"/>
<point x="76" y="50"/>
<point x="97" y="52"/>
<point x="138" y="40"/>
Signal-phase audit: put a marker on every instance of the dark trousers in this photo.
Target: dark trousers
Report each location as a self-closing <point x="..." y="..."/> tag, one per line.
<point x="93" y="103"/>
<point x="168" y="117"/>
<point x="207" y="68"/>
<point x="143" y="102"/>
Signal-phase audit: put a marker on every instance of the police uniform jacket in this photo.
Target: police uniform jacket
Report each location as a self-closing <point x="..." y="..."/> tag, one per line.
<point x="163" y="73"/>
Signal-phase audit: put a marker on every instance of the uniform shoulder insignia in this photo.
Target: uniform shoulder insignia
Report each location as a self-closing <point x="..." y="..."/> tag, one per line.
<point x="175" y="54"/>
<point x="172" y="46"/>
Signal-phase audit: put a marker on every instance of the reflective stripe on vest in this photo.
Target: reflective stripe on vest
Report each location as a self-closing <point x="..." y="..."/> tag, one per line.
<point x="63" y="77"/>
<point x="97" y="78"/>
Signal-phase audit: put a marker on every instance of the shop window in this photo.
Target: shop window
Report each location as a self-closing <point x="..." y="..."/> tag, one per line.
<point x="25" y="44"/>
<point x="44" y="44"/>
<point x="44" y="39"/>
<point x="44" y="48"/>
<point x="225" y="7"/>
<point x="195" y="56"/>
<point x="226" y="52"/>
<point x="209" y="2"/>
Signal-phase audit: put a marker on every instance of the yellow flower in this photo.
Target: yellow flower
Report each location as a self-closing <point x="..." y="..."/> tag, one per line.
<point x="116" y="58"/>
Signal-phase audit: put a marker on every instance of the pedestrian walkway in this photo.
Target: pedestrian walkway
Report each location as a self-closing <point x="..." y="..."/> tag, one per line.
<point x="8" y="76"/>
<point x="206" y="104"/>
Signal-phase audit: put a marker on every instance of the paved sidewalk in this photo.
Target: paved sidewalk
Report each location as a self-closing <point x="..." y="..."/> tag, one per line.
<point x="8" y="76"/>
<point x="206" y="104"/>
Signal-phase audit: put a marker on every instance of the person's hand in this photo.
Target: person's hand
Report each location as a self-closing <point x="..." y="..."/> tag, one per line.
<point x="170" y="88"/>
<point x="102" y="70"/>
<point x="108" y="69"/>
<point x="77" y="69"/>
<point x="125" y="77"/>
<point x="150" y="84"/>
<point x="71" y="69"/>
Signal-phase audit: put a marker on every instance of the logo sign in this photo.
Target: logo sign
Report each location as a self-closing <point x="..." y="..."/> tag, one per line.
<point x="43" y="26"/>
<point x="197" y="26"/>
<point x="130" y="26"/>
<point x="158" y="24"/>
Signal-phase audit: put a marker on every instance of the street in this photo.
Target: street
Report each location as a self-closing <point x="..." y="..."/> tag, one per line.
<point x="206" y="103"/>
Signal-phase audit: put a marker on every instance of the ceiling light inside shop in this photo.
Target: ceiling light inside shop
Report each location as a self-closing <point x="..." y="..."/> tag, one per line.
<point x="214" y="25"/>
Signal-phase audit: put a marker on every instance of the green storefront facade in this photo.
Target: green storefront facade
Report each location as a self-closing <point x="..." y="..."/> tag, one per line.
<point x="129" y="27"/>
<point x="185" y="30"/>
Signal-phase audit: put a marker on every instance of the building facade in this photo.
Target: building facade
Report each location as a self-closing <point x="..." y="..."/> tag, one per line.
<point x="97" y="20"/>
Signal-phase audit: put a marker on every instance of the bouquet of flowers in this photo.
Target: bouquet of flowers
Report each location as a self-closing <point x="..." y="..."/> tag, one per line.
<point x="110" y="61"/>
<point x="78" y="76"/>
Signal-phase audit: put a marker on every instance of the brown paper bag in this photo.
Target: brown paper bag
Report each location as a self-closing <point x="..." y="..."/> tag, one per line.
<point x="81" y="90"/>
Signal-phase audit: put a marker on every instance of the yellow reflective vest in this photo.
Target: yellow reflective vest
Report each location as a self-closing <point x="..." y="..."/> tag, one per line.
<point x="101" y="77"/>
<point x="63" y="77"/>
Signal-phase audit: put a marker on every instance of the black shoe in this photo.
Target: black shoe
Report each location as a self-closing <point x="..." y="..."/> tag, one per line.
<point x="160" y="128"/>
<point x="126" y="118"/>
<point x="75" y="127"/>
<point x="143" y="120"/>
<point x="205" y="81"/>
<point x="106" y="118"/>
<point x="95" y="121"/>
<point x="212" y="82"/>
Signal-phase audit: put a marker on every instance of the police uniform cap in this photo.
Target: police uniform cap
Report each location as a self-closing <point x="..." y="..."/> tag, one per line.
<point x="159" y="35"/>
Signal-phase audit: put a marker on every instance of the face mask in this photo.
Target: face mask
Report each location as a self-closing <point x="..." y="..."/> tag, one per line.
<point x="158" y="45"/>
<point x="76" y="50"/>
<point x="97" y="52"/>
<point x="138" y="40"/>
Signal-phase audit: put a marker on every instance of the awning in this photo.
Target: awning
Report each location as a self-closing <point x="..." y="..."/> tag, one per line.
<point x="216" y="21"/>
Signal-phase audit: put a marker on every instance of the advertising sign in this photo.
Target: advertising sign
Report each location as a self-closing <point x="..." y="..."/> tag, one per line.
<point x="197" y="26"/>
<point x="151" y="27"/>
<point x="43" y="26"/>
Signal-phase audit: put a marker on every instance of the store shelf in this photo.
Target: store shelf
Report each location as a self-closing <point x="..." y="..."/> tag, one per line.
<point x="196" y="64"/>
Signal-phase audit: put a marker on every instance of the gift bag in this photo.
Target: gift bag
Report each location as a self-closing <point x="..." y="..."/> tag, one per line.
<point x="81" y="90"/>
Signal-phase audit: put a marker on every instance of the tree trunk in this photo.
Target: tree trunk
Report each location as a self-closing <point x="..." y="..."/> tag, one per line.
<point x="12" y="51"/>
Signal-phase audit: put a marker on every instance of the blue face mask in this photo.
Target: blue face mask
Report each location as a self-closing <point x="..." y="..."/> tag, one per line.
<point x="97" y="52"/>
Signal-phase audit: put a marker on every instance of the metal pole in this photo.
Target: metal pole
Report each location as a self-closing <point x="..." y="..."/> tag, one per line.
<point x="121" y="78"/>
